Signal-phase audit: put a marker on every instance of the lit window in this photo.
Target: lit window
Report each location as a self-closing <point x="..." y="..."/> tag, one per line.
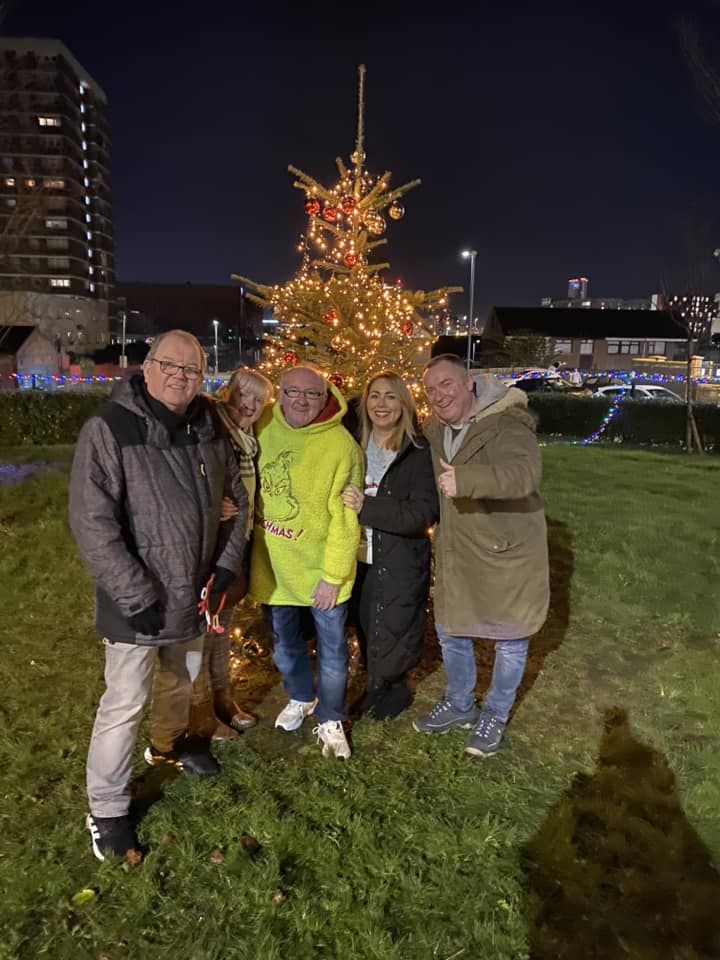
<point x="10" y="202"/>
<point x="91" y="287"/>
<point x="84" y="144"/>
<point x="59" y="281"/>
<point x="30" y="183"/>
<point x="87" y="201"/>
<point x="89" y="235"/>
<point x="656" y="348"/>
<point x="82" y="108"/>
<point x="58" y="263"/>
<point x="613" y="346"/>
<point x="90" y="253"/>
<point x="56" y="224"/>
<point x="49" y="121"/>
<point x="83" y="128"/>
<point x="57" y="243"/>
<point x="54" y="184"/>
<point x="9" y="181"/>
<point x="88" y="218"/>
<point x="85" y="164"/>
<point x="81" y="87"/>
<point x="86" y="182"/>
<point x="563" y="346"/>
<point x="91" y="271"/>
<point x="586" y="347"/>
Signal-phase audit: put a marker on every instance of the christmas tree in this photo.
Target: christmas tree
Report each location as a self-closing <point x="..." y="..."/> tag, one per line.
<point x="338" y="311"/>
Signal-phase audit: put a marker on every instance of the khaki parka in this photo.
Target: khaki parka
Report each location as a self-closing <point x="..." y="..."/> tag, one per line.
<point x="491" y="556"/>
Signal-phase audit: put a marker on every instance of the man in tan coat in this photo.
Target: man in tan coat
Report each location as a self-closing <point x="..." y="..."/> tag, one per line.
<point x="491" y="560"/>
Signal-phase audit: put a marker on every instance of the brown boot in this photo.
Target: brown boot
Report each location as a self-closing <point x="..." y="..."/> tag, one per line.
<point x="230" y="713"/>
<point x="205" y="724"/>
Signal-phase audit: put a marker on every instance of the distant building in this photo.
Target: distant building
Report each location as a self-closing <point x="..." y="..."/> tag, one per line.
<point x="577" y="297"/>
<point x="697" y="310"/>
<point x="577" y="288"/>
<point x="56" y="231"/>
<point x="151" y="308"/>
<point x="589" y="339"/>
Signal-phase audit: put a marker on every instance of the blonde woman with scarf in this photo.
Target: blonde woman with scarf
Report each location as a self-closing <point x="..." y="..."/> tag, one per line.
<point x="214" y="712"/>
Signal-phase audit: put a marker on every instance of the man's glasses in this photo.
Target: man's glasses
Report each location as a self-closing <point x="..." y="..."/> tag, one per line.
<point x="189" y="370"/>
<point x="294" y="393"/>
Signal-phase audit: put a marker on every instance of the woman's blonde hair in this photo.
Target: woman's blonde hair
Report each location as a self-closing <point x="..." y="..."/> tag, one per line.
<point x="406" y="425"/>
<point x="246" y="380"/>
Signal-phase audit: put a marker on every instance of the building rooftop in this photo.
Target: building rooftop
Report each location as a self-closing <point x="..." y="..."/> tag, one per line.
<point x="590" y="324"/>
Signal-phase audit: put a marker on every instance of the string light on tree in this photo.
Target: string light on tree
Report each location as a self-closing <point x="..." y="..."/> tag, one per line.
<point x="338" y="311"/>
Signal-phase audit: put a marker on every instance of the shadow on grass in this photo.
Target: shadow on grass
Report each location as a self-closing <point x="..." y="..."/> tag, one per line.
<point x="254" y="675"/>
<point x="616" y="870"/>
<point x="552" y="634"/>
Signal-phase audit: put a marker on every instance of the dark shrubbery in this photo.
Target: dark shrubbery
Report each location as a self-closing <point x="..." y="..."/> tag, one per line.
<point x="637" y="421"/>
<point x="36" y="417"/>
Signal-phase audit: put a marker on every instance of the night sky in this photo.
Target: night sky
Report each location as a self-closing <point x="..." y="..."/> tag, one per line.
<point x="557" y="141"/>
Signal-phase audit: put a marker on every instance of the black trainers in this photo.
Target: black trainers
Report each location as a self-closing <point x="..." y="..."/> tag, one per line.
<point x="185" y="758"/>
<point x="113" y="837"/>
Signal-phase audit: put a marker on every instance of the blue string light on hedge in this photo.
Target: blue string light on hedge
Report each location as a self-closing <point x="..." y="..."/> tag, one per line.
<point x="606" y="421"/>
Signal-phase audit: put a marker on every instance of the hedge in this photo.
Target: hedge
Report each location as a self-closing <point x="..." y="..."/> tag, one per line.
<point x="636" y="421"/>
<point x="40" y="417"/>
<point x="37" y="417"/>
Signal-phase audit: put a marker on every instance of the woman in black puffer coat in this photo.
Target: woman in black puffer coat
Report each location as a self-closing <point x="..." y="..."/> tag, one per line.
<point x="396" y="509"/>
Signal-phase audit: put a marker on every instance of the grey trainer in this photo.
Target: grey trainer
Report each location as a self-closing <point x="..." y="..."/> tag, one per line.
<point x="444" y="717"/>
<point x="487" y="736"/>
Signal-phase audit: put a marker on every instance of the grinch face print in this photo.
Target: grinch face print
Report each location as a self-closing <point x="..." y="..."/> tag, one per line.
<point x="277" y="500"/>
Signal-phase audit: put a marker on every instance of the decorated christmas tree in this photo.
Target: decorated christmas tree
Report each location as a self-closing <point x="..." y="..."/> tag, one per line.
<point x="338" y="311"/>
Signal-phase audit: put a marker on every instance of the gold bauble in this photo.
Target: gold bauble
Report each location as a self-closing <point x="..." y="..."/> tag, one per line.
<point x="396" y="210"/>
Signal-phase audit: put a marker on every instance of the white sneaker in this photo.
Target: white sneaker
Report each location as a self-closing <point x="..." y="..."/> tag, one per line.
<point x="332" y="736"/>
<point x="292" y="716"/>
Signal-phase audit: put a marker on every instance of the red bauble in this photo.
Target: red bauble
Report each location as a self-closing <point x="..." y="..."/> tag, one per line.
<point x="350" y="259"/>
<point x="348" y="204"/>
<point x="330" y="214"/>
<point x="290" y="358"/>
<point x="329" y="318"/>
<point x="406" y="328"/>
<point x="337" y="380"/>
<point x="312" y="206"/>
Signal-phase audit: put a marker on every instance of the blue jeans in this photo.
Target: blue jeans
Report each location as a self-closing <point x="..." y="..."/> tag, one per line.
<point x="291" y="657"/>
<point x="458" y="655"/>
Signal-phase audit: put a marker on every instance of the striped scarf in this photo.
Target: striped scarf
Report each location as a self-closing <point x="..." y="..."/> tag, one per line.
<point x="245" y="447"/>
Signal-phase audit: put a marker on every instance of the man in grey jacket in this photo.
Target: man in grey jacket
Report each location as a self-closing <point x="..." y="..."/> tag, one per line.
<point x="147" y="484"/>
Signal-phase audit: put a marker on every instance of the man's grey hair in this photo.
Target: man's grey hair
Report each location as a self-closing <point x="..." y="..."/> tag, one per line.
<point x="183" y="334"/>
<point x="322" y="382"/>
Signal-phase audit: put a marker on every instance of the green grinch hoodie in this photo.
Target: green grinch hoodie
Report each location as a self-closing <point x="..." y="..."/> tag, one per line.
<point x="303" y="532"/>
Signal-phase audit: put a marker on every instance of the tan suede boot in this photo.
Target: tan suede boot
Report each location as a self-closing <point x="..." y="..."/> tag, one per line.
<point x="206" y="724"/>
<point x="228" y="712"/>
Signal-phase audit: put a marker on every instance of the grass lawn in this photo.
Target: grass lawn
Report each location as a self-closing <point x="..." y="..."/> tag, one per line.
<point x="593" y="834"/>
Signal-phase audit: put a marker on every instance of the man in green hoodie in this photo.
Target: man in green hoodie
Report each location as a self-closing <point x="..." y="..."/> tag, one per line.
<point x="305" y="546"/>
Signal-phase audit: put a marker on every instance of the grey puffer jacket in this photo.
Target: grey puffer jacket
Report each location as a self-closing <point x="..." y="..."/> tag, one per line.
<point x="145" y="496"/>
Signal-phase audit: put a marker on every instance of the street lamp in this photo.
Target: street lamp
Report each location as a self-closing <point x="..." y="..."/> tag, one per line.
<point x="123" y="355"/>
<point x="215" y="324"/>
<point x="470" y="254"/>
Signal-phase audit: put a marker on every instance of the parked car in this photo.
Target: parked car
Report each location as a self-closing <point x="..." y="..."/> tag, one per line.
<point x="641" y="391"/>
<point x="535" y="384"/>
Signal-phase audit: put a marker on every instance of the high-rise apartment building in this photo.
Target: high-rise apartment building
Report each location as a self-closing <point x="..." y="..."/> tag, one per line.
<point x="56" y="233"/>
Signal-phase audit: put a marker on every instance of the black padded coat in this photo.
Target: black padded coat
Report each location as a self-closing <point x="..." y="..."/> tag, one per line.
<point x="391" y="594"/>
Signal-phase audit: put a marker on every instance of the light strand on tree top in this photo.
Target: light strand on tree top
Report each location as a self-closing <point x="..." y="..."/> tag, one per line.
<point x="338" y="311"/>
